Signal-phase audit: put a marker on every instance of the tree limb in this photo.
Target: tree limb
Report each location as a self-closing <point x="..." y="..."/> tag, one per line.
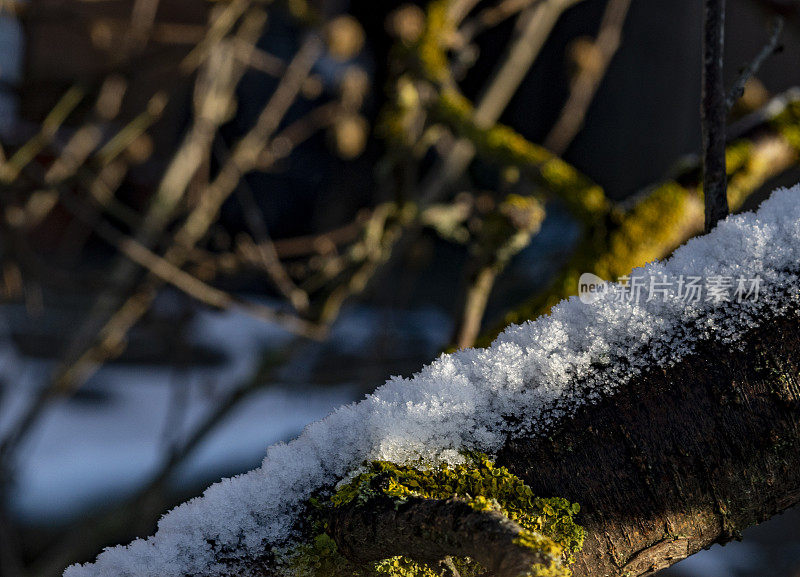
<point x="675" y="461"/>
<point x="429" y="530"/>
<point x="736" y="91"/>
<point x="588" y="79"/>
<point x="690" y="456"/>
<point x="760" y="147"/>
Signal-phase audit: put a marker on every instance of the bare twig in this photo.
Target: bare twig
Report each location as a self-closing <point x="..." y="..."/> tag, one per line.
<point x="182" y="280"/>
<point x="713" y="113"/>
<point x="261" y="60"/>
<point x="215" y="92"/>
<point x="585" y="84"/>
<point x="143" y="16"/>
<point x="772" y="46"/>
<point x="149" y="501"/>
<point x="109" y="338"/>
<point x="247" y="151"/>
<point x="475" y="301"/>
<point x="222" y="22"/>
<point x="459" y="9"/>
<point x="266" y="249"/>
<point x="299" y="131"/>
<point x="323" y="242"/>
<point x="216" y="89"/>
<point x="533" y="28"/>
<point x="11" y="168"/>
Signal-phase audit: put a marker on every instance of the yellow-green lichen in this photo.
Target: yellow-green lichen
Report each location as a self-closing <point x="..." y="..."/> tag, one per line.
<point x="787" y="122"/>
<point x="655" y="224"/>
<point x="548" y="522"/>
<point x="508" y="229"/>
<point x="431" y="48"/>
<point x="649" y="229"/>
<point x="541" y="544"/>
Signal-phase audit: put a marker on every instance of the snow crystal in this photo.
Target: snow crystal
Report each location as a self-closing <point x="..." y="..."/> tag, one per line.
<point x="536" y="372"/>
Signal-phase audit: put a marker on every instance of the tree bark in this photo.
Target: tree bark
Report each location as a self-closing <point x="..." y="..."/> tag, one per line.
<point x="671" y="463"/>
<point x="713" y="113"/>
<point x="429" y="531"/>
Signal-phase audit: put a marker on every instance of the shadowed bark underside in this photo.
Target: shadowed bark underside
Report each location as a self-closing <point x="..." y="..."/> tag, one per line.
<point x="679" y="459"/>
<point x="673" y="462"/>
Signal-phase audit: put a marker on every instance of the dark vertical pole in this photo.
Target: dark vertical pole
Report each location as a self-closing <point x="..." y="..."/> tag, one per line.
<point x="713" y="113"/>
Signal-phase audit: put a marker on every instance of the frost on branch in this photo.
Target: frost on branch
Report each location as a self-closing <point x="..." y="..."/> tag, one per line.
<point x="532" y="376"/>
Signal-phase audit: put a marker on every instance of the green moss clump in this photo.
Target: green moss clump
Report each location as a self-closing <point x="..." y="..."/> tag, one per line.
<point x="548" y="522"/>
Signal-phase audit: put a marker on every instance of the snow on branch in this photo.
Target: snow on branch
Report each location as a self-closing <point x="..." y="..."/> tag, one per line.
<point x="531" y="377"/>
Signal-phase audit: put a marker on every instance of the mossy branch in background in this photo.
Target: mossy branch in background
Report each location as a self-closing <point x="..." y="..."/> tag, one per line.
<point x="615" y="239"/>
<point x="665" y="216"/>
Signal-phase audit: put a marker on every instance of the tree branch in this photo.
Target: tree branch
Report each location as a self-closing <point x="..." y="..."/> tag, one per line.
<point x="737" y="90"/>
<point x="713" y="112"/>
<point x="763" y="148"/>
<point x="675" y="461"/>
<point x="588" y="79"/>
<point x="429" y="531"/>
<point x="690" y="456"/>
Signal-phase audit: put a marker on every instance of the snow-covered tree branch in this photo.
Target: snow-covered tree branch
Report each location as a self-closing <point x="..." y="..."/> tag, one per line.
<point x="669" y="417"/>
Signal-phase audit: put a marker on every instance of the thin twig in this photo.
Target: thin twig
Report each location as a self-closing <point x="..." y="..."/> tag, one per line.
<point x="11" y="168"/>
<point x="535" y="26"/>
<point x="143" y="17"/>
<point x="246" y="153"/>
<point x="772" y="46"/>
<point x="215" y="93"/>
<point x="215" y="96"/>
<point x="459" y="9"/>
<point x="490" y="17"/>
<point x="299" y="131"/>
<point x="475" y="301"/>
<point x="585" y="84"/>
<point x="265" y="248"/>
<point x="222" y="22"/>
<point x="184" y="281"/>
<point x="110" y="337"/>
<point x="533" y="29"/>
<point x="713" y="113"/>
<point x="149" y="501"/>
<point x="262" y="61"/>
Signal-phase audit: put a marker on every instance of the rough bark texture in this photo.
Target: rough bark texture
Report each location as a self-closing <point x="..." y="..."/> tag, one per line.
<point x="431" y="530"/>
<point x="680" y="459"/>
<point x="673" y="462"/>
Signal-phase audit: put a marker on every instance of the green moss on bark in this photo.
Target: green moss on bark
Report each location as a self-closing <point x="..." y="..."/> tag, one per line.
<point x="549" y="523"/>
